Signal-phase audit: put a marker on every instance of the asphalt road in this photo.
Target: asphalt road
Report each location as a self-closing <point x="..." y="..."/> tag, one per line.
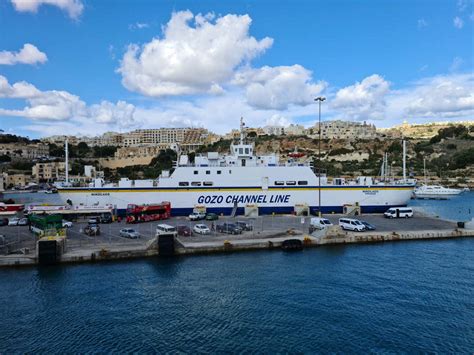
<point x="17" y="237"/>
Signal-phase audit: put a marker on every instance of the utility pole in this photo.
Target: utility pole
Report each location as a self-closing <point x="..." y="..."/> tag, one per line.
<point x="320" y="99"/>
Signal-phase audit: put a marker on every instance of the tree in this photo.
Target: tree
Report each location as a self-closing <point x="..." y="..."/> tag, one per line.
<point x="56" y="151"/>
<point x="395" y="147"/>
<point x="105" y="151"/>
<point x="82" y="149"/>
<point x="5" y="159"/>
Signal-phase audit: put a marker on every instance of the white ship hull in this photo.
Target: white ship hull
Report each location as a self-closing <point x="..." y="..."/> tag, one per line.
<point x="223" y="199"/>
<point x="435" y="192"/>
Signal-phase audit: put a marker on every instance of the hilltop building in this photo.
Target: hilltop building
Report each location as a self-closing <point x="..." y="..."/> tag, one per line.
<point x="345" y="130"/>
<point x="191" y="137"/>
<point x="25" y="151"/>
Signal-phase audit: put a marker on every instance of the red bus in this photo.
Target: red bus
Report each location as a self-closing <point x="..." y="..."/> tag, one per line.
<point x="147" y="213"/>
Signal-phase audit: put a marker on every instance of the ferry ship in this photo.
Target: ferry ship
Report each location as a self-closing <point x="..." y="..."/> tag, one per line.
<point x="229" y="183"/>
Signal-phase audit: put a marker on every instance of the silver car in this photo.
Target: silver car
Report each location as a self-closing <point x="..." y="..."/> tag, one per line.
<point x="129" y="233"/>
<point x="201" y="229"/>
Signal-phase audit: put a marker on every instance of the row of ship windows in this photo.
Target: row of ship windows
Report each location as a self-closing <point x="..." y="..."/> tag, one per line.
<point x="196" y="183"/>
<point x="210" y="183"/>
<point x="208" y="172"/>
<point x="291" y="183"/>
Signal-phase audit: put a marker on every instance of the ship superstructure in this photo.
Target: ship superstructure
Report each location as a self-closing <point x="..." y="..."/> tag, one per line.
<point x="223" y="183"/>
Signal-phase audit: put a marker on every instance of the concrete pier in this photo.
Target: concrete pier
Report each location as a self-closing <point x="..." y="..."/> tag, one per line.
<point x="271" y="235"/>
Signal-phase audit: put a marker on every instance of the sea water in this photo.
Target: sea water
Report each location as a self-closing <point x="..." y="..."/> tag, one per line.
<point x="413" y="297"/>
<point x="393" y="297"/>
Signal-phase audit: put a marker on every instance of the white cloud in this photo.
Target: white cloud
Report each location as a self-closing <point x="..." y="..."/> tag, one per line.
<point x="29" y="54"/>
<point x="138" y="26"/>
<point x="59" y="106"/>
<point x="191" y="59"/>
<point x="107" y="112"/>
<point x="278" y="120"/>
<point x="444" y="96"/>
<point x="73" y="8"/>
<point x="422" y="23"/>
<point x="458" y="22"/>
<point x="278" y="87"/>
<point x="362" y="101"/>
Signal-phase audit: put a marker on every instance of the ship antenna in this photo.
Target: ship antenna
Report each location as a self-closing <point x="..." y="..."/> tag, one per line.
<point x="242" y="134"/>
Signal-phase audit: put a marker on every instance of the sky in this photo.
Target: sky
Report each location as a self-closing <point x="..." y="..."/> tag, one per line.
<point x="85" y="67"/>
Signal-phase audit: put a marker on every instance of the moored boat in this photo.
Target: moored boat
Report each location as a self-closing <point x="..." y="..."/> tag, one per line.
<point x="435" y="192"/>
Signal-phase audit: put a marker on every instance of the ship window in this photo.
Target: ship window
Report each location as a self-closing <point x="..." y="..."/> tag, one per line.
<point x="291" y="182"/>
<point x="208" y="172"/>
<point x="302" y="183"/>
<point x="183" y="183"/>
<point x="196" y="172"/>
<point x="208" y="183"/>
<point x="230" y="171"/>
<point x="196" y="183"/>
<point x="219" y="172"/>
<point x="279" y="183"/>
<point x="246" y="150"/>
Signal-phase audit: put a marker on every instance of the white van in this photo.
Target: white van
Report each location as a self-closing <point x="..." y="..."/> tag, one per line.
<point x="319" y="223"/>
<point x="399" y="212"/>
<point x="350" y="224"/>
<point x="166" y="229"/>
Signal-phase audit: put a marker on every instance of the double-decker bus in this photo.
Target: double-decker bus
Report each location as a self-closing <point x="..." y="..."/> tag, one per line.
<point x="147" y="213"/>
<point x="46" y="225"/>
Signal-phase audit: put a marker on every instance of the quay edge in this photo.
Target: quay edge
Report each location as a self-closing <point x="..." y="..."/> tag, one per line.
<point x="270" y="242"/>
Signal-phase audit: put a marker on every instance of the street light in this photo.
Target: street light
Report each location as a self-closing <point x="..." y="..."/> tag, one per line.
<point x="320" y="99"/>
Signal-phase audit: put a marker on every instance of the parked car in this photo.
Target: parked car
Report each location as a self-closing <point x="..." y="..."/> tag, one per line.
<point x="201" y="229"/>
<point x="106" y="218"/>
<point x="3" y="222"/>
<point x="318" y="223"/>
<point x="166" y="229"/>
<point x="24" y="221"/>
<point x="229" y="228"/>
<point x="399" y="212"/>
<point x="129" y="233"/>
<point x="368" y="226"/>
<point x="67" y="224"/>
<point x="197" y="216"/>
<point x="13" y="221"/>
<point x="244" y="225"/>
<point x="92" y="230"/>
<point x="94" y="220"/>
<point x="184" y="231"/>
<point x="211" y="217"/>
<point x="351" y="224"/>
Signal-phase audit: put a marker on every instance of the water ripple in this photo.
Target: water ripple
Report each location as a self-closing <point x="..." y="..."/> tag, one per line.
<point x="384" y="298"/>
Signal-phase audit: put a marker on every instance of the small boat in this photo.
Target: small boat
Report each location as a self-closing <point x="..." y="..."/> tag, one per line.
<point x="435" y="192"/>
<point x="10" y="208"/>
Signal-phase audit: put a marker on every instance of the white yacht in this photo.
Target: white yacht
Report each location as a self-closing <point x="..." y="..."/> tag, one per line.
<point x="435" y="192"/>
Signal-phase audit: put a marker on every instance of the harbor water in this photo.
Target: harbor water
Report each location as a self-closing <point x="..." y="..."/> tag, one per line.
<point x="393" y="297"/>
<point x="415" y="296"/>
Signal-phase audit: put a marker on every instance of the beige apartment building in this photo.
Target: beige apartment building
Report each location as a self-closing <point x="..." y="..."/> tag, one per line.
<point x="164" y="136"/>
<point x="15" y="180"/>
<point x="50" y="171"/>
<point x="345" y="130"/>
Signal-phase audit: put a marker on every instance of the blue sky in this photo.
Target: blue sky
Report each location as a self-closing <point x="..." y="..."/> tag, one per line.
<point x="86" y="67"/>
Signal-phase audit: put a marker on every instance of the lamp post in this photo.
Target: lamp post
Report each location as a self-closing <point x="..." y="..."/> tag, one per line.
<point x="320" y="99"/>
